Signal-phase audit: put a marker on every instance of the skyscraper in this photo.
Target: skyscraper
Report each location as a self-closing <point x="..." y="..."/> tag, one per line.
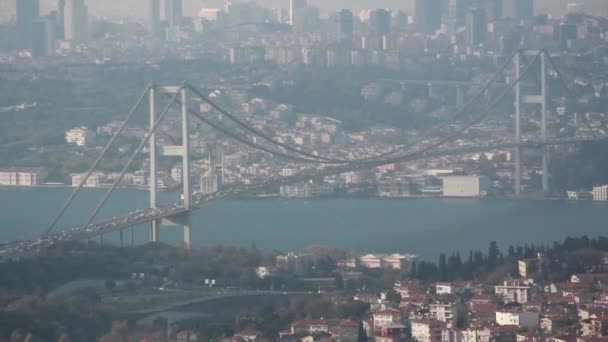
<point x="154" y="19"/>
<point x="27" y="12"/>
<point x="380" y="21"/>
<point x="173" y="12"/>
<point x="453" y="14"/>
<point x="518" y="9"/>
<point x="60" y="27"/>
<point x="294" y="7"/>
<point x="345" y="26"/>
<point x="76" y="23"/>
<point x="476" y="26"/>
<point x="428" y="15"/>
<point x="43" y="37"/>
<point x="493" y="9"/>
<point x="566" y="32"/>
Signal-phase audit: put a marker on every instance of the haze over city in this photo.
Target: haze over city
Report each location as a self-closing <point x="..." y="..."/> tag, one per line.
<point x="137" y="8"/>
<point x="304" y="171"/>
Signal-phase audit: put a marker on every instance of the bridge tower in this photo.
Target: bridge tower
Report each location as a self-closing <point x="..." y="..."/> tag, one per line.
<point x="182" y="151"/>
<point x="531" y="99"/>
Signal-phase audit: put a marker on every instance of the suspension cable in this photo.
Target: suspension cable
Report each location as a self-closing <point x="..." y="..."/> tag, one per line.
<point x="326" y="160"/>
<point x="139" y="148"/>
<point x="96" y="162"/>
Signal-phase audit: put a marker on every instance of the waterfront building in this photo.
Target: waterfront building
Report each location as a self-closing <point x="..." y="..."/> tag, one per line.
<point x="306" y="190"/>
<point x="465" y="186"/>
<point x="21" y="176"/>
<point x="600" y="193"/>
<point x="94" y="180"/>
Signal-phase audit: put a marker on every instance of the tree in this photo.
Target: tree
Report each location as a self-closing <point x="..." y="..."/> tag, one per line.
<point x="511" y="251"/>
<point x="362" y="335"/>
<point x="443" y="268"/>
<point x="393" y="296"/>
<point x="493" y="254"/>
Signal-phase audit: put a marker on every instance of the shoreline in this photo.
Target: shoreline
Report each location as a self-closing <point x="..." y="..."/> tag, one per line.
<point x="310" y="199"/>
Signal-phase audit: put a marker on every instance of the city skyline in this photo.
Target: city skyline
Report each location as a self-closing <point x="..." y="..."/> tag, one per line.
<point x="137" y="8"/>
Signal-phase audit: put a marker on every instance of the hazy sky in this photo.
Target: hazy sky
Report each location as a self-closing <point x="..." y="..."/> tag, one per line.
<point x="99" y="8"/>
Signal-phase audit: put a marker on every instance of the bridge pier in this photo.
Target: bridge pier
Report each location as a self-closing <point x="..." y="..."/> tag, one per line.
<point x="431" y="90"/>
<point x="132" y="236"/>
<point x="152" y="153"/>
<point x="543" y="104"/>
<point x="187" y="240"/>
<point x="517" y="176"/>
<point x="122" y="245"/>
<point x="459" y="96"/>
<point x="101" y="240"/>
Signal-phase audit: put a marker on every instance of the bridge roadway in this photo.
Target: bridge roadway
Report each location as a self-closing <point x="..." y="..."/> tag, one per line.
<point x="151" y="214"/>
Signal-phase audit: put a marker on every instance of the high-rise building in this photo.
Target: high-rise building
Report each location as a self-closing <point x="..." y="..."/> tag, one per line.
<point x="380" y="21"/>
<point x="345" y="26"/>
<point x="154" y="19"/>
<point x="27" y="12"/>
<point x="76" y="23"/>
<point x="294" y="8"/>
<point x="453" y="14"/>
<point x="60" y="26"/>
<point x="493" y="9"/>
<point x="428" y="15"/>
<point x="518" y="9"/>
<point x="43" y="37"/>
<point x="173" y="12"/>
<point x="566" y="32"/>
<point x="476" y="26"/>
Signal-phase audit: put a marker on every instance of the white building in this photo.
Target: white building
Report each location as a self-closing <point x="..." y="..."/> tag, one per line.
<point x="444" y="311"/>
<point x="513" y="291"/>
<point x="286" y="172"/>
<point x="385" y="317"/>
<point x="427" y="330"/>
<point x="21" y="176"/>
<point x="95" y="180"/>
<point x="394" y="261"/>
<point x="306" y="190"/>
<point x="176" y="174"/>
<point x="465" y="186"/>
<point x="76" y="20"/>
<point x="81" y="136"/>
<point x="523" y="319"/>
<point x="449" y="288"/>
<point x="600" y="193"/>
<point x="262" y="272"/>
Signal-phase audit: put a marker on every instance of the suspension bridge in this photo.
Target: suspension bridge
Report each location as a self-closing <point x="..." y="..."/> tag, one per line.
<point x="431" y="144"/>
